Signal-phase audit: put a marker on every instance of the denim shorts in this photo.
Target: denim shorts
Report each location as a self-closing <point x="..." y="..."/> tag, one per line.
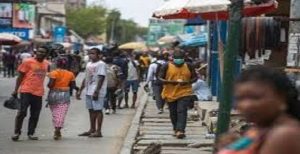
<point x="94" y="105"/>
<point x="134" y="84"/>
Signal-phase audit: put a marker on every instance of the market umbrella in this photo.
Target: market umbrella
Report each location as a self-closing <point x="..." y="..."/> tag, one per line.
<point x="211" y="9"/>
<point x="133" y="46"/>
<point x="9" y="39"/>
<point x="168" y="39"/>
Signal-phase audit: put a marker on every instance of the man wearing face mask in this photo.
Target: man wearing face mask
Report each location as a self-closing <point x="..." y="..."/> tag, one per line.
<point x="177" y="77"/>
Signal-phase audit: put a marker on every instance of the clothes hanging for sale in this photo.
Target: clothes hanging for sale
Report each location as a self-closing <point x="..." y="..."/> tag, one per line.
<point x="259" y="34"/>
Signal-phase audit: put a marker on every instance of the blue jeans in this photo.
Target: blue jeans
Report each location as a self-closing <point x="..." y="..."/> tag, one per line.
<point x="178" y="113"/>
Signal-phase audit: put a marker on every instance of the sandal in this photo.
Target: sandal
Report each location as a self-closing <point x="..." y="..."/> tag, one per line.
<point x="15" y="137"/>
<point x="95" y="135"/>
<point x="85" y="133"/>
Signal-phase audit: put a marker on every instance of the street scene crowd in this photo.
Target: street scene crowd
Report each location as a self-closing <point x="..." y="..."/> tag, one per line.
<point x="109" y="77"/>
<point x="220" y="76"/>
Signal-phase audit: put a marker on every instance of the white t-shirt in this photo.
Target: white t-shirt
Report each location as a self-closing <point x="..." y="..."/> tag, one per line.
<point x="93" y="71"/>
<point x="132" y="71"/>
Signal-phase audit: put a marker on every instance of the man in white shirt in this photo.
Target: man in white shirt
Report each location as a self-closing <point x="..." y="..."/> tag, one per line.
<point x="156" y="84"/>
<point x="132" y="81"/>
<point x="95" y="83"/>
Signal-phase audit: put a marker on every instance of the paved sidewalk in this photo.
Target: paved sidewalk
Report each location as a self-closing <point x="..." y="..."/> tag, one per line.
<point x="157" y="128"/>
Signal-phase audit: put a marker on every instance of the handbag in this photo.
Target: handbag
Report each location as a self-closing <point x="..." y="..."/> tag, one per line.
<point x="12" y="103"/>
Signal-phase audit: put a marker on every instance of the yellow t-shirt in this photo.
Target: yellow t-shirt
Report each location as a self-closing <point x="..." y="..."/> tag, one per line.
<point x="173" y="92"/>
<point x="145" y="61"/>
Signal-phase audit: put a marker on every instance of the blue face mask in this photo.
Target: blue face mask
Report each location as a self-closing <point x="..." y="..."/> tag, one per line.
<point x="178" y="61"/>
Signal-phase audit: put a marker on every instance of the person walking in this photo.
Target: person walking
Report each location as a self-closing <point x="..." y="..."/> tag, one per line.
<point x="155" y="83"/>
<point x="121" y="61"/>
<point x="177" y="77"/>
<point x="10" y="61"/>
<point x="30" y="85"/>
<point x="132" y="80"/>
<point x="61" y="80"/>
<point x="113" y="83"/>
<point x="145" y="62"/>
<point x="95" y="83"/>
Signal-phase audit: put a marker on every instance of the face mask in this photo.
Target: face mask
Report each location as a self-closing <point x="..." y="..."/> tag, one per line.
<point x="178" y="61"/>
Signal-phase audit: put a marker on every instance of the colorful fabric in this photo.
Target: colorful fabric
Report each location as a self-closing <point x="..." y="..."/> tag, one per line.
<point x="62" y="78"/>
<point x="59" y="112"/>
<point x="245" y="145"/>
<point x="35" y="73"/>
<point x="173" y="92"/>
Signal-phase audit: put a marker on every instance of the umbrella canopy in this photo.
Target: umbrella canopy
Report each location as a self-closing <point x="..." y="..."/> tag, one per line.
<point x="9" y="39"/>
<point x="210" y="9"/>
<point x="167" y="39"/>
<point x="133" y="46"/>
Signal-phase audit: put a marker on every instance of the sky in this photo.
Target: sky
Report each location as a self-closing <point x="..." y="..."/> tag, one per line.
<point x="138" y="10"/>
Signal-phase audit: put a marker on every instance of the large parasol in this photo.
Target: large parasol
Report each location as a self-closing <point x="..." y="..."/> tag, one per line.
<point x="9" y="39"/>
<point x="134" y="46"/>
<point x="209" y="9"/>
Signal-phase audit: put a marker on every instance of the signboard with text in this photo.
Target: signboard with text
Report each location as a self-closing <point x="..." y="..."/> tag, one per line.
<point x="22" y="33"/>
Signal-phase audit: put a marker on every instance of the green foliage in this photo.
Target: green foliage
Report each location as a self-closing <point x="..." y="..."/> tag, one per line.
<point x="122" y="30"/>
<point x="96" y="20"/>
<point x="87" y="21"/>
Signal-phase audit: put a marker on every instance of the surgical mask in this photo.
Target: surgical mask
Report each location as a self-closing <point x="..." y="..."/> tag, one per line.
<point x="178" y="61"/>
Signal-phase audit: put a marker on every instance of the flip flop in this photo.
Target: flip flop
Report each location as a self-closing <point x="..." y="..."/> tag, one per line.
<point x="95" y="135"/>
<point x="85" y="134"/>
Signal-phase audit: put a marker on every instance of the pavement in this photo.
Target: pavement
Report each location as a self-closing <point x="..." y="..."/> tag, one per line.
<point x="115" y="128"/>
<point x="157" y="128"/>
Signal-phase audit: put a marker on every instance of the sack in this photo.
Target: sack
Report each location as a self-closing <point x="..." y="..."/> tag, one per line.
<point x="57" y="97"/>
<point x="112" y="77"/>
<point x="12" y="103"/>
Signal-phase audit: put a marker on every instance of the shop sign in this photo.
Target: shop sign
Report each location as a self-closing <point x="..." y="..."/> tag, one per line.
<point x="22" y="33"/>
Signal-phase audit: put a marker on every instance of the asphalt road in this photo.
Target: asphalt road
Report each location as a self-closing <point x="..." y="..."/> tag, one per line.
<point x="115" y="128"/>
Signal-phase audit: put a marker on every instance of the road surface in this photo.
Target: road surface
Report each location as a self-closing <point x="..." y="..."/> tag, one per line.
<point x="115" y="128"/>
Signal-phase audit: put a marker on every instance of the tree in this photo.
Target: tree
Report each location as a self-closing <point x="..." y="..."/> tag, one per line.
<point x="87" y="21"/>
<point x="121" y="30"/>
<point x="113" y="18"/>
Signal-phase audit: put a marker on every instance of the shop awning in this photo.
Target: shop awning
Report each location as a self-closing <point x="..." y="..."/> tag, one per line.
<point x="209" y="9"/>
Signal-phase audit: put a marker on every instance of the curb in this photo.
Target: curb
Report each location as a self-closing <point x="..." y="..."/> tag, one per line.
<point x="133" y="130"/>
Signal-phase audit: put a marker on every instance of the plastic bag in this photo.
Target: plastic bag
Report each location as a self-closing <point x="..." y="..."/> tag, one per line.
<point x="12" y="103"/>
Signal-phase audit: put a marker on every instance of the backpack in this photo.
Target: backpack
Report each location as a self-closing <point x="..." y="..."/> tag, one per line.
<point x="112" y="76"/>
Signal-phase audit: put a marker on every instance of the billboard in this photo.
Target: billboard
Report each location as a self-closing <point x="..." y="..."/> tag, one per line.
<point x="23" y="15"/>
<point x="5" y="10"/>
<point x="159" y="28"/>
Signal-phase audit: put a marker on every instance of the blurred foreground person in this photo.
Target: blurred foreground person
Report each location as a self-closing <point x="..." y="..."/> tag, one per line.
<point x="61" y="80"/>
<point x="268" y="100"/>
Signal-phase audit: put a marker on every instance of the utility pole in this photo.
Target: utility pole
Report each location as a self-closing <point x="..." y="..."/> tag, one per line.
<point x="294" y="35"/>
<point x="230" y="55"/>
